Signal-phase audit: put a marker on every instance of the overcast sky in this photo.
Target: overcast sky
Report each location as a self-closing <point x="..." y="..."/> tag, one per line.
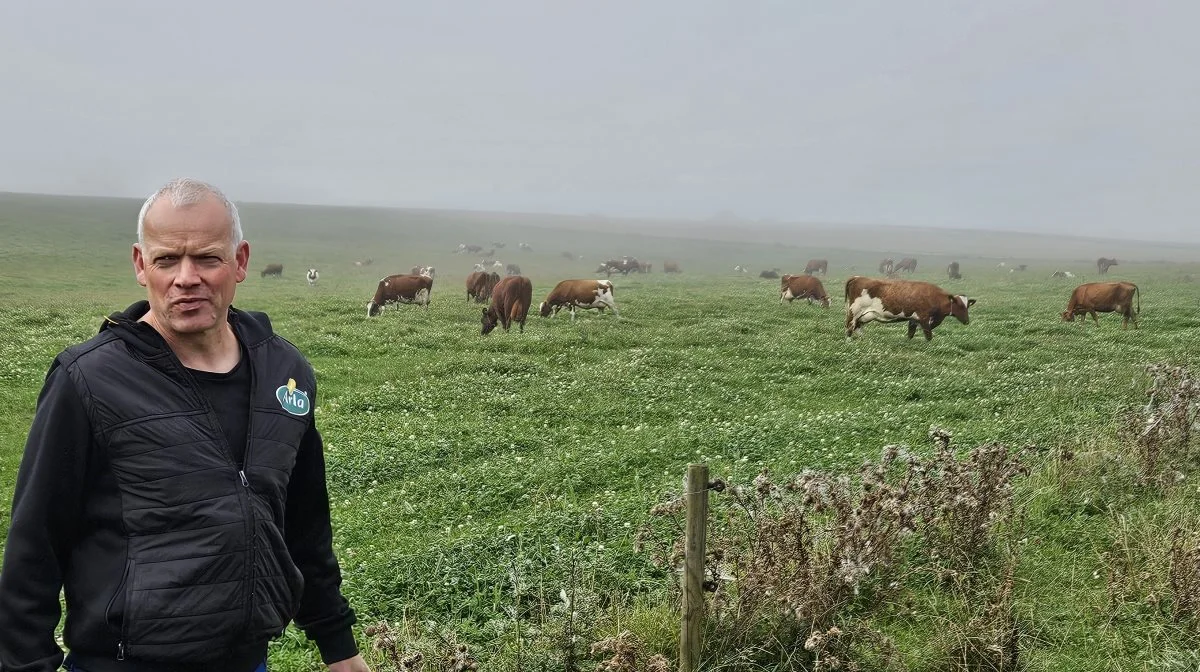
<point x="1059" y="115"/>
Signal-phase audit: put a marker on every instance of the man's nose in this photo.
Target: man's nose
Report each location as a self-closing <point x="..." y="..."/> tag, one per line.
<point x="189" y="273"/>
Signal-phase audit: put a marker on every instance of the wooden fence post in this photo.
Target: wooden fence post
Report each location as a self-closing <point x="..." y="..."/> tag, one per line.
<point x="693" y="574"/>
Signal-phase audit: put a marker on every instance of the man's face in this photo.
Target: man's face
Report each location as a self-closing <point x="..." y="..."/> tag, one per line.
<point x="189" y="266"/>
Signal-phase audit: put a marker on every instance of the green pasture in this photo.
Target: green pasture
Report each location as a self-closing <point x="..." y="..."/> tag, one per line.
<point x="469" y="474"/>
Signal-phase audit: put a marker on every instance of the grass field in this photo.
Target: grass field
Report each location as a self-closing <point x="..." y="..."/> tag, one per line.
<point x="474" y="476"/>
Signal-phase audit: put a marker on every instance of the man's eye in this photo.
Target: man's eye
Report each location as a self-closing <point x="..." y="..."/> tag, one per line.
<point x="167" y="260"/>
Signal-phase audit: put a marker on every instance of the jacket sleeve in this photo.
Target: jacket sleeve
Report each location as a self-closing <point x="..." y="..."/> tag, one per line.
<point x="46" y="506"/>
<point x="324" y="615"/>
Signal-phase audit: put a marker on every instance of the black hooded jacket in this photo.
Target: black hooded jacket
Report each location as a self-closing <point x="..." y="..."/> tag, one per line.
<point x="175" y="551"/>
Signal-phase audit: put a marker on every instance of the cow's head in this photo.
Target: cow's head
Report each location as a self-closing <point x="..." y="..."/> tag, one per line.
<point x="544" y="309"/>
<point x="1068" y="316"/>
<point x="373" y="309"/>
<point x="958" y="308"/>
<point x="489" y="321"/>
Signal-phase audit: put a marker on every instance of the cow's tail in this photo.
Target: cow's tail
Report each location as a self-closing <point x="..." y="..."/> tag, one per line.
<point x="1138" y="294"/>
<point x="848" y="283"/>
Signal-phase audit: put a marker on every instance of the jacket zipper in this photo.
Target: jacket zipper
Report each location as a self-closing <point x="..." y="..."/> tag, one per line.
<point x="244" y="490"/>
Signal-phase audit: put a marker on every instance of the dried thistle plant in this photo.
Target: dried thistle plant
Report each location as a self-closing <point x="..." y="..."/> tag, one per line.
<point x="1166" y="423"/>
<point x="1184" y="578"/>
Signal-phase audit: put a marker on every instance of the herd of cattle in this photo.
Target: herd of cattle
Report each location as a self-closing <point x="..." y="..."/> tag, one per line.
<point x="884" y="299"/>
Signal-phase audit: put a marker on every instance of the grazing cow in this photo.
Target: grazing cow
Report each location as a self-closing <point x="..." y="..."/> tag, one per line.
<point x="364" y="262"/>
<point x="574" y="294"/>
<point x="512" y="269"/>
<point x="1105" y="297"/>
<point x="952" y="271"/>
<point x="312" y="276"/>
<point x="816" y="266"/>
<point x="423" y="270"/>
<point x="769" y="275"/>
<point x="480" y="284"/>
<point x="400" y="289"/>
<point x="273" y="269"/>
<point x="473" y="249"/>
<point x="498" y="245"/>
<point x="613" y="266"/>
<point x="645" y="268"/>
<point x="525" y="247"/>
<point x="510" y="303"/>
<point x="478" y="267"/>
<point x="669" y="267"/>
<point x="740" y="269"/>
<point x="906" y="264"/>
<point x="1062" y="274"/>
<point x="921" y="304"/>
<point x="498" y="265"/>
<point x="887" y="266"/>
<point x="1104" y="263"/>
<point x="792" y="287"/>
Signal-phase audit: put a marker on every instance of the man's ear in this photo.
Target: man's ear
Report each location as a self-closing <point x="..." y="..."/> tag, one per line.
<point x="139" y="265"/>
<point x="242" y="258"/>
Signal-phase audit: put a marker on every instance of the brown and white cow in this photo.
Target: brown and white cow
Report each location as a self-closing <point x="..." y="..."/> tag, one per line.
<point x="423" y="270"/>
<point x="953" y="272"/>
<point x="886" y="266"/>
<point x="480" y="284"/>
<point x="816" y="266"/>
<point x="1105" y="297"/>
<point x="921" y="304"/>
<point x="669" y="267"/>
<point x="1104" y="263"/>
<point x="906" y="264"/>
<point x="512" y="269"/>
<point x="575" y="294"/>
<point x="273" y="269"/>
<point x="792" y="287"/>
<point x="510" y="303"/>
<point x="400" y="289"/>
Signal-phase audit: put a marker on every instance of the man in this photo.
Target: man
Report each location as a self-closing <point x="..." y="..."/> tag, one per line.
<point x="173" y="483"/>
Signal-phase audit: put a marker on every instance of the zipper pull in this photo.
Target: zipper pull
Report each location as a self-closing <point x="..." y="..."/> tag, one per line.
<point x="245" y="481"/>
<point x="121" y="650"/>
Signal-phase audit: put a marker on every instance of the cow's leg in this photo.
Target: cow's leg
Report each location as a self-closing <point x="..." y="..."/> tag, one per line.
<point x="572" y="308"/>
<point x="1094" y="320"/>
<point x="928" y="329"/>
<point x="912" y="328"/>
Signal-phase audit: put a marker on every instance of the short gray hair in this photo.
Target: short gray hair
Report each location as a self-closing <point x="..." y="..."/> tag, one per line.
<point x="187" y="191"/>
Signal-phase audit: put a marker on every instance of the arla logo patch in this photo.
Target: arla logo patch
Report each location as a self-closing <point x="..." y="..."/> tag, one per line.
<point x="293" y="401"/>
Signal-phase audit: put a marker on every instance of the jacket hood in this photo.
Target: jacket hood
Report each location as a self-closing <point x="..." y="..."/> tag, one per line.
<point x="251" y="328"/>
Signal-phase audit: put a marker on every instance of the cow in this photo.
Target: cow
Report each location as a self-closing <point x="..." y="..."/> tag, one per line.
<point x="645" y="268"/>
<point x="792" y="287"/>
<point x="400" y="289"/>
<point x="669" y="267"/>
<point x="478" y="267"/>
<point x="921" y="304"/>
<point x="512" y="269"/>
<point x="273" y="269"/>
<point x="1104" y="263"/>
<point x="816" y="266"/>
<point x="498" y="265"/>
<point x="364" y="262"/>
<point x="1062" y="274"/>
<point x="952" y="271"/>
<point x="769" y="275"/>
<point x="312" y="276"/>
<point x="574" y="294"/>
<point x="906" y="264"/>
<point x="525" y="247"/>
<point x="510" y="303"/>
<point x="1104" y="297"/>
<point x="740" y="269"/>
<point x="498" y="245"/>
<point x="886" y="266"/>
<point x="480" y="284"/>
<point x="625" y="266"/>
<point x="423" y="270"/>
<point x="472" y="249"/>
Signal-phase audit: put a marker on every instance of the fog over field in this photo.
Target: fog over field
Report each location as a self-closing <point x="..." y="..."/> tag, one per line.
<point x="779" y="121"/>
